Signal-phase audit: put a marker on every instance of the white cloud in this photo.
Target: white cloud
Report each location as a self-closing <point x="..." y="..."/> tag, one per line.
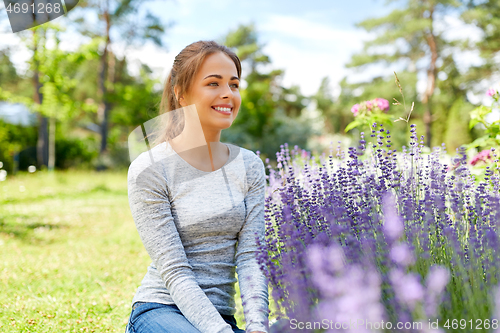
<point x="305" y="67"/>
<point x="306" y="30"/>
<point x="160" y="61"/>
<point x="309" y="51"/>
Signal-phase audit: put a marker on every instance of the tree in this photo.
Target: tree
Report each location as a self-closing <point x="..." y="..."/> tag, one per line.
<point x="258" y="101"/>
<point x="486" y="16"/>
<point x="124" y="15"/>
<point x="410" y="36"/>
<point x="269" y="113"/>
<point x="336" y="117"/>
<point x="52" y="86"/>
<point x="8" y="73"/>
<point x="12" y="137"/>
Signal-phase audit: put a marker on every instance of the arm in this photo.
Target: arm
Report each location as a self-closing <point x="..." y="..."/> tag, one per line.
<point x="253" y="284"/>
<point x="150" y="206"/>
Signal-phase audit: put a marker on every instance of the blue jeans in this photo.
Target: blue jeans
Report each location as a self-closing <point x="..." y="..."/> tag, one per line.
<point x="164" y="318"/>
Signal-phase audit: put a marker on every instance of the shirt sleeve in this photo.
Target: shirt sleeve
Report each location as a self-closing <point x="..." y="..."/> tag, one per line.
<point x="151" y="210"/>
<point x="253" y="283"/>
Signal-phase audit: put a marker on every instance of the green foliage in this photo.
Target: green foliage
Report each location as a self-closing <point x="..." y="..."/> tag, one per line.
<point x="74" y="153"/>
<point x="364" y="122"/>
<point x="245" y="40"/>
<point x="413" y="36"/>
<point x="335" y="111"/>
<point x="380" y="87"/>
<point x="479" y="115"/>
<point x="135" y="99"/>
<point x="403" y="33"/>
<point x="133" y="24"/>
<point x="269" y="113"/>
<point x="55" y="67"/>
<point x="486" y="16"/>
<point x="70" y="94"/>
<point x="13" y="139"/>
<point x="8" y="73"/>
<point x="457" y="130"/>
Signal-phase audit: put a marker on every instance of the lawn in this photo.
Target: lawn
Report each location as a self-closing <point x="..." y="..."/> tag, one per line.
<point x="71" y="256"/>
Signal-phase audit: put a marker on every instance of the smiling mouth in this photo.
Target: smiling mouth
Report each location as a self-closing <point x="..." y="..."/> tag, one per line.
<point x="223" y="110"/>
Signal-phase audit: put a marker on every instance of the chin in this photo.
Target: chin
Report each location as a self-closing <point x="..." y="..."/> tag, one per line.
<point x="226" y="127"/>
<point x="223" y="124"/>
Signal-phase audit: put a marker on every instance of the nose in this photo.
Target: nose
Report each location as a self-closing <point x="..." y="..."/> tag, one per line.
<point x="226" y="92"/>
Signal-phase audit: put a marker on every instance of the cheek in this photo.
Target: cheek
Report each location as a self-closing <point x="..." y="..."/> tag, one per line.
<point x="238" y="100"/>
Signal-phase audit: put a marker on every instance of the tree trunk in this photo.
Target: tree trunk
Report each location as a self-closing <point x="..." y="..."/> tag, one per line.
<point x="431" y="80"/>
<point x="104" y="107"/>
<point x="52" y="144"/>
<point x="42" y="145"/>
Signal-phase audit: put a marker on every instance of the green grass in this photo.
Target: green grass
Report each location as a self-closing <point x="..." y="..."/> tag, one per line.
<point x="71" y="258"/>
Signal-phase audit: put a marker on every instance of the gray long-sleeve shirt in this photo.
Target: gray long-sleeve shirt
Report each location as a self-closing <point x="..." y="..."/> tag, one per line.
<point x="199" y="228"/>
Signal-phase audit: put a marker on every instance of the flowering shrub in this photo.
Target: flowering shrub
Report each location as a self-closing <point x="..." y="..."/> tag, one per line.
<point x="369" y="106"/>
<point x="491" y="138"/>
<point x="368" y="112"/>
<point x="484" y="156"/>
<point x="479" y="115"/>
<point x="382" y="236"/>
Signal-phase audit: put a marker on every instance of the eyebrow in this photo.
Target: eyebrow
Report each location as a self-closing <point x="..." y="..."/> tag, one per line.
<point x="220" y="77"/>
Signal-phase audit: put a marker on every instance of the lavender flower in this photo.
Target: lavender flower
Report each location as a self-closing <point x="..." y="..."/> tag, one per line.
<point x="348" y="292"/>
<point x="437" y="279"/>
<point x="392" y="227"/>
<point x="408" y="288"/>
<point x="402" y="255"/>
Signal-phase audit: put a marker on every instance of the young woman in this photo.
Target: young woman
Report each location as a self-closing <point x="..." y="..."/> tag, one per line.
<point x="198" y="205"/>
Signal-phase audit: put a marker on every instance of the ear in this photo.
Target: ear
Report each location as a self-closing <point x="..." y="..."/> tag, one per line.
<point x="180" y="99"/>
<point x="182" y="102"/>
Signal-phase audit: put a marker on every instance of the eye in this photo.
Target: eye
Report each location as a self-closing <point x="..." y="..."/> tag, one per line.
<point x="235" y="85"/>
<point x="213" y="83"/>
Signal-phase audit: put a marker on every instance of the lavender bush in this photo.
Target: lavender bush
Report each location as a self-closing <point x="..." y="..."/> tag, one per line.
<point x="382" y="238"/>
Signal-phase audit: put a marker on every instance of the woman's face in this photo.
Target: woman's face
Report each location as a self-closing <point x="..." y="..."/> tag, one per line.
<point x="215" y="92"/>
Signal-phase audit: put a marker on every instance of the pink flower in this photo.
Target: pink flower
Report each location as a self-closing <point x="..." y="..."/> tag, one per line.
<point x="484" y="156"/>
<point x="355" y="109"/>
<point x="369" y="105"/>
<point x="491" y="92"/>
<point x="382" y="104"/>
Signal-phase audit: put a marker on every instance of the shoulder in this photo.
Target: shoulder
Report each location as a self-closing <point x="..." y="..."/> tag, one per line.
<point x="252" y="161"/>
<point x="254" y="166"/>
<point x="250" y="158"/>
<point x="148" y="162"/>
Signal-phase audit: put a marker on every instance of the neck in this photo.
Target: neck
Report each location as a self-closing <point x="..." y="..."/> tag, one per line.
<point x="195" y="135"/>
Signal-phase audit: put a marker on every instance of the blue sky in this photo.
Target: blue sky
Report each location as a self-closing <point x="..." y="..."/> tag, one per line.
<point x="307" y="39"/>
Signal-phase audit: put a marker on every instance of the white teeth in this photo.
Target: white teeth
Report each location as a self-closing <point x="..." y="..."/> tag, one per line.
<point x="223" y="109"/>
